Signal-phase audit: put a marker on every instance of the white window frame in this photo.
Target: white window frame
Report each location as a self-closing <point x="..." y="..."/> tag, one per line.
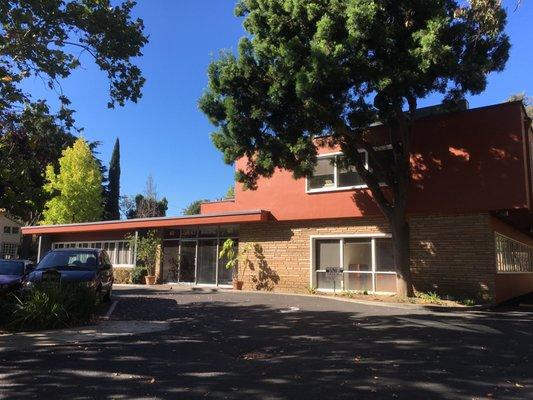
<point x="9" y="249"/>
<point x="85" y="245"/>
<point x="335" y="187"/>
<point x="512" y="246"/>
<point x="341" y="238"/>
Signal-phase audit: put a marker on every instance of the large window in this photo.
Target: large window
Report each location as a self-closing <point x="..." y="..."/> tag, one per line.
<point x="331" y="172"/>
<point x="119" y="251"/>
<point x="513" y="256"/>
<point x="191" y="255"/>
<point x="8" y="250"/>
<point x="366" y="263"/>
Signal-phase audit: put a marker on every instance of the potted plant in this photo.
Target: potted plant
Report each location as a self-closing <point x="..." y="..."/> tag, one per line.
<point x="148" y="247"/>
<point x="230" y="253"/>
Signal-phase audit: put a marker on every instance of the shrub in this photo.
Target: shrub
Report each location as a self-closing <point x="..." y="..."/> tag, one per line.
<point x="122" y="275"/>
<point x="48" y="306"/>
<point x="430" y="297"/>
<point x="138" y="273"/>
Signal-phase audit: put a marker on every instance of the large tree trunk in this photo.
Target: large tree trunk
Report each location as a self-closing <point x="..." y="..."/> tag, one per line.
<point x="401" y="252"/>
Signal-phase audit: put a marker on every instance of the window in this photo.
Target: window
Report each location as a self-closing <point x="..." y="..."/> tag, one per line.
<point x="7" y="229"/>
<point x="331" y="172"/>
<point x="366" y="263"/>
<point x="15" y="230"/>
<point x="9" y="250"/>
<point x="512" y="255"/>
<point x="119" y="251"/>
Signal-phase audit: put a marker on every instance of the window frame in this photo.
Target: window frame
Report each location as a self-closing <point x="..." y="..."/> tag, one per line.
<point x="336" y="187"/>
<point x="114" y="258"/>
<point x="341" y="237"/>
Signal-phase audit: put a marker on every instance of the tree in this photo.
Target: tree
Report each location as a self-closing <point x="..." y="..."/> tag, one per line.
<point x="112" y="210"/>
<point x="76" y="189"/>
<point x="230" y="194"/>
<point x="193" y="208"/>
<point x="331" y="69"/>
<point x="526" y="100"/>
<point x="29" y="142"/>
<point x="145" y="205"/>
<point x="48" y="40"/>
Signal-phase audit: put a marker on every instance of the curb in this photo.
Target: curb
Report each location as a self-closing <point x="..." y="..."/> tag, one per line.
<point x="424" y="307"/>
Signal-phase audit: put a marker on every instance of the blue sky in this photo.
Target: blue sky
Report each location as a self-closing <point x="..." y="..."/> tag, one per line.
<point x="165" y="134"/>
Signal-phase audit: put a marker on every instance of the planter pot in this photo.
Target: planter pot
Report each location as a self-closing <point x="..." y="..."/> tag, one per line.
<point x="149" y="279"/>
<point x="237" y="285"/>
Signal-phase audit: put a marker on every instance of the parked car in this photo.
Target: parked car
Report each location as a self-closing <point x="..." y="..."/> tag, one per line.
<point x="90" y="267"/>
<point x="12" y="274"/>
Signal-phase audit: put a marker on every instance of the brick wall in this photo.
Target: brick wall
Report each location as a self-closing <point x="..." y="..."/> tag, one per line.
<point x="451" y="254"/>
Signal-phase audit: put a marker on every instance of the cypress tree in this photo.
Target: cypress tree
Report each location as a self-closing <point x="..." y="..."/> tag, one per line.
<point x="112" y="211"/>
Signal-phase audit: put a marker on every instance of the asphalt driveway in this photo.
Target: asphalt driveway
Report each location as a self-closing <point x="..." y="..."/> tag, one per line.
<point x="259" y="346"/>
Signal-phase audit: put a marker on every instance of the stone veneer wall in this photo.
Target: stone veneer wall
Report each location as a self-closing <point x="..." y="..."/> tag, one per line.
<point x="451" y="254"/>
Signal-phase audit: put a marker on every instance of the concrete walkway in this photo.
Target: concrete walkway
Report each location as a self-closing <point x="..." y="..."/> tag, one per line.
<point x="104" y="330"/>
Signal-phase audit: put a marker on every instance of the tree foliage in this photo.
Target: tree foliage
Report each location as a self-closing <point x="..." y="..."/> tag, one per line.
<point x="48" y="40"/>
<point x="112" y="209"/>
<point x="193" y="208"/>
<point x="29" y="142"/>
<point x="526" y="100"/>
<point x="76" y="189"/>
<point x="147" y="205"/>
<point x="311" y="68"/>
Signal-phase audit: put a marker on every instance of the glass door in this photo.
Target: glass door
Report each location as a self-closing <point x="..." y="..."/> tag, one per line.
<point x="207" y="261"/>
<point x="187" y="261"/>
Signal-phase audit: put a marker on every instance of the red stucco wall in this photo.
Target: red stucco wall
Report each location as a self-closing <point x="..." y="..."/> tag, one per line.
<point x="466" y="161"/>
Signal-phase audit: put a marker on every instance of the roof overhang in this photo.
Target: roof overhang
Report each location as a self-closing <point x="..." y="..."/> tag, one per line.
<point x="236" y="217"/>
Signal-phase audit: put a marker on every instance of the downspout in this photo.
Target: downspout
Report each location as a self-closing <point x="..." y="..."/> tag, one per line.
<point x="39" y="249"/>
<point x="135" y="248"/>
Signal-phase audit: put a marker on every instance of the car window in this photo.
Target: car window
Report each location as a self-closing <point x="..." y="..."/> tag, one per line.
<point x="11" y="267"/>
<point x="69" y="259"/>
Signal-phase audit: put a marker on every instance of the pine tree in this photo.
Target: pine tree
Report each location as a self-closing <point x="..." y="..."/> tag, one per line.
<point x="112" y="210"/>
<point x="76" y="188"/>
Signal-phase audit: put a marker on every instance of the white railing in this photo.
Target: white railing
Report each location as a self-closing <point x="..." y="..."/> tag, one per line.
<point x="512" y="255"/>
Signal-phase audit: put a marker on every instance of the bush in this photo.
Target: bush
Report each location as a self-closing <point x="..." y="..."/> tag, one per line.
<point x="138" y="273"/>
<point x="48" y="306"/>
<point x="122" y="275"/>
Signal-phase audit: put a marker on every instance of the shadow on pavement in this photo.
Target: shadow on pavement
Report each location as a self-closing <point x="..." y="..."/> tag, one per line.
<point x="227" y="349"/>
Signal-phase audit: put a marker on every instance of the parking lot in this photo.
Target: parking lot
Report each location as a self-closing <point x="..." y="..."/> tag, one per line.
<point x="256" y="345"/>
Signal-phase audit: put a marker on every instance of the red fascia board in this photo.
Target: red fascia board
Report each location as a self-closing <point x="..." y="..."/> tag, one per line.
<point x="208" y="219"/>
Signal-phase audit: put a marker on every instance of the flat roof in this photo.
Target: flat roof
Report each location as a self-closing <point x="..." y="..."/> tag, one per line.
<point x="230" y="217"/>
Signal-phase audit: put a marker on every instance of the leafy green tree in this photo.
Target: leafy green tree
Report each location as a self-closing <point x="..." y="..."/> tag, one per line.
<point x="193" y="208"/>
<point x="29" y="142"/>
<point x="76" y="189"/>
<point x="48" y="40"/>
<point x="147" y="205"/>
<point x="230" y="194"/>
<point x="112" y="210"/>
<point x="332" y="68"/>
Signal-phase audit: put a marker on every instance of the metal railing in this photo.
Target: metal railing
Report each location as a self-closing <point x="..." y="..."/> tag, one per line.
<point x="512" y="255"/>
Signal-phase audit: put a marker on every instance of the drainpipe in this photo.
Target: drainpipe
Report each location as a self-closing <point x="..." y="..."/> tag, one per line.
<point x="39" y="249"/>
<point x="135" y="248"/>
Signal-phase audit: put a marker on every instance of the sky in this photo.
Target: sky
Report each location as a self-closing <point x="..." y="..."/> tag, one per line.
<point x="167" y="136"/>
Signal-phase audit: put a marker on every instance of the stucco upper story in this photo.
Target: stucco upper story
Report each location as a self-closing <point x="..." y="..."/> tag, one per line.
<point x="466" y="161"/>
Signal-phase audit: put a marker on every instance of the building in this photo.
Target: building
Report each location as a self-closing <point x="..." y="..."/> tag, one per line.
<point x="10" y="235"/>
<point x="470" y="215"/>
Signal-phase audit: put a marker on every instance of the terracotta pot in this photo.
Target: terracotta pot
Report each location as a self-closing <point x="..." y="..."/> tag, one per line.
<point x="237" y="285"/>
<point x="149" y="279"/>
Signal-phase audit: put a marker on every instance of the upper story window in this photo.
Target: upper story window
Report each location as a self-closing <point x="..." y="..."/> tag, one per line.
<point x="11" y="230"/>
<point x="331" y="174"/>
